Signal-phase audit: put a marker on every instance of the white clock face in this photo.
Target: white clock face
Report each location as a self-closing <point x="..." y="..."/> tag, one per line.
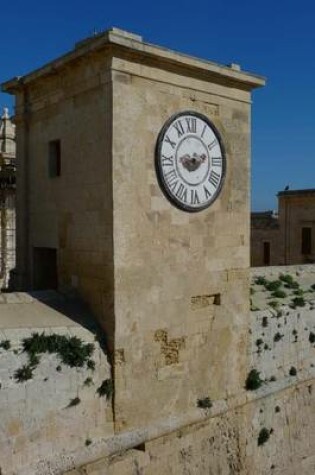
<point x="190" y="161"/>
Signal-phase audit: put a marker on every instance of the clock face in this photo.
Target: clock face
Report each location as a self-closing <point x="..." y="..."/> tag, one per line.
<point x="190" y="161"/>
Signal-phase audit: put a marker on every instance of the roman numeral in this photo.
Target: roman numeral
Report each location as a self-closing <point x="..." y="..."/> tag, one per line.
<point x="179" y="128"/>
<point x="203" y="130"/>
<point x="167" y="161"/>
<point x="170" y="176"/>
<point x="214" y="178"/>
<point x="173" y="186"/>
<point x="207" y="193"/>
<point x="181" y="193"/>
<point x="212" y="144"/>
<point x="169" y="141"/>
<point x="191" y="125"/>
<point x="216" y="161"/>
<point x="194" y="198"/>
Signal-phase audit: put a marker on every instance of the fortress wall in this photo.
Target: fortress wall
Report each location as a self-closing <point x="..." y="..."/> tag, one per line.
<point x="42" y="433"/>
<point x="226" y="442"/>
<point x="38" y="417"/>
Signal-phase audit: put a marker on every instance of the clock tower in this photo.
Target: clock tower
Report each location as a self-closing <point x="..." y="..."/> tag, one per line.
<point x="144" y="213"/>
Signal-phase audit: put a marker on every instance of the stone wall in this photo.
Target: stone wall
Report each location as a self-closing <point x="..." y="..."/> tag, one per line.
<point x="226" y="442"/>
<point x="181" y="279"/>
<point x="58" y="422"/>
<point x="228" y="445"/>
<point x="49" y="409"/>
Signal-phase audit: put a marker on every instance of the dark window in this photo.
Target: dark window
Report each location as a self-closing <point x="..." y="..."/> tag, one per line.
<point x="306" y="247"/>
<point x="45" y="268"/>
<point x="54" y="157"/>
<point x="266" y="253"/>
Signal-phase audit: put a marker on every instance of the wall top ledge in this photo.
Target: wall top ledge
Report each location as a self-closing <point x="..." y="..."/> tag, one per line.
<point x="116" y="42"/>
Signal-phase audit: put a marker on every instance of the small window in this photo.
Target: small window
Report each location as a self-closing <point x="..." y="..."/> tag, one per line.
<point x="45" y="275"/>
<point x="54" y="158"/>
<point x="306" y="247"/>
<point x="266" y="253"/>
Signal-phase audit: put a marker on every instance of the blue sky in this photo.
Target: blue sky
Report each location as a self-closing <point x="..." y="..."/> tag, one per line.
<point x="274" y="39"/>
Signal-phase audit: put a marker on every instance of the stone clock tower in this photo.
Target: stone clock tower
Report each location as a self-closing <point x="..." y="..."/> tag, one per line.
<point x="134" y="191"/>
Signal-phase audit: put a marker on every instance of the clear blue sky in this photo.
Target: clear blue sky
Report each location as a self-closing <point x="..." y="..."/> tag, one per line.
<point x="274" y="39"/>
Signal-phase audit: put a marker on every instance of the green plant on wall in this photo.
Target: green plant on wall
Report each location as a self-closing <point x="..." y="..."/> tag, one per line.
<point x="106" y="389"/>
<point x="311" y="337"/>
<point x="23" y="374"/>
<point x="74" y="402"/>
<point x="263" y="436"/>
<point x="279" y="294"/>
<point x="288" y="281"/>
<point x="298" y="302"/>
<point x="277" y="337"/>
<point x="204" y="403"/>
<point x="261" y="280"/>
<point x="70" y="350"/>
<point x="253" y="380"/>
<point x="273" y="285"/>
<point x="293" y="371"/>
<point x="5" y="344"/>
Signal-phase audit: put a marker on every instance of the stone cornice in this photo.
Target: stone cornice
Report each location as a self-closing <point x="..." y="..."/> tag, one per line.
<point x="116" y="42"/>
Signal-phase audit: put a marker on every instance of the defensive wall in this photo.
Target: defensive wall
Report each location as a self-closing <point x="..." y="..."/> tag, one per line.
<point x="60" y="421"/>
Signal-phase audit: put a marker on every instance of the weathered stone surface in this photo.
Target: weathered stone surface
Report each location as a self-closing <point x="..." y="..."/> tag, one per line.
<point x="36" y="420"/>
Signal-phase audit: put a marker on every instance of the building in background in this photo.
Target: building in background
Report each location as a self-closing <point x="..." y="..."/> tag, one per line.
<point x="287" y="237"/>
<point x="7" y="197"/>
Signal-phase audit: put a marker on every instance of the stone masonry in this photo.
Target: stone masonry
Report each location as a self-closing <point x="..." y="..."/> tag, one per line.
<point x="42" y="433"/>
<point x="289" y="235"/>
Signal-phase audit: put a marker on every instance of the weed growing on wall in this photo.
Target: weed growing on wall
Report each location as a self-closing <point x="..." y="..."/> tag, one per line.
<point x="293" y="371"/>
<point x="277" y="337"/>
<point x="288" y="281"/>
<point x="253" y="380"/>
<point x="106" y="389"/>
<point x="204" y="403"/>
<point x="298" y="302"/>
<point x="261" y="281"/>
<point x="259" y="342"/>
<point x="273" y="285"/>
<point x="23" y="374"/>
<point x="279" y="294"/>
<point x="263" y="436"/>
<point x="5" y="344"/>
<point x="74" y="402"/>
<point x="311" y="337"/>
<point x="70" y="350"/>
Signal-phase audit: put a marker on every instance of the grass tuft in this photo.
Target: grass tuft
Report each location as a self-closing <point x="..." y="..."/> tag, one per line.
<point x="253" y="380"/>
<point x="204" y="403"/>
